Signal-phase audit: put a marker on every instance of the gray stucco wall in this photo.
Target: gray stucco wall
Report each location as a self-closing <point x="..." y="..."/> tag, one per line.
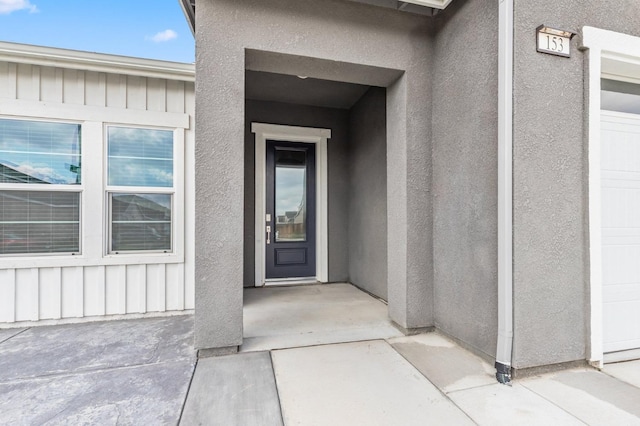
<point x="551" y="307"/>
<point x="306" y="116"/>
<point x="350" y="42"/>
<point x="465" y="170"/>
<point x="368" y="193"/>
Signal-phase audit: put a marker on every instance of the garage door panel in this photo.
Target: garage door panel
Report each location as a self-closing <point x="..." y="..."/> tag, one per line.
<point x="620" y="151"/>
<point x="622" y="293"/>
<point x="618" y="338"/>
<point x="620" y="264"/>
<point x="622" y="207"/>
<point x="620" y="228"/>
<point x="625" y="237"/>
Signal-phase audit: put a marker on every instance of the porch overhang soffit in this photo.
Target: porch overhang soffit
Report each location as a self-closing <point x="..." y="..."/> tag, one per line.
<point x="189" y="7"/>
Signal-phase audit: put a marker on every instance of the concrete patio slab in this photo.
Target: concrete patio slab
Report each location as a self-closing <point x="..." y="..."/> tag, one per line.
<point x="295" y="316"/>
<point x="444" y="363"/>
<point x="593" y="397"/>
<point x="145" y="395"/>
<point x="111" y="372"/>
<point x="362" y="383"/>
<point x="8" y="333"/>
<point x="47" y="350"/>
<point x="498" y="404"/>
<point x="233" y="390"/>
<point x="626" y="371"/>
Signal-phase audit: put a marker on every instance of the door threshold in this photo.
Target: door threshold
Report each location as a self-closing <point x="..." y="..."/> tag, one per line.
<point x="291" y="281"/>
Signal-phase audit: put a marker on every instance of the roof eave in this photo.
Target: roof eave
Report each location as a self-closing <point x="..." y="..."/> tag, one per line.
<point x="189" y="10"/>
<point x="100" y="62"/>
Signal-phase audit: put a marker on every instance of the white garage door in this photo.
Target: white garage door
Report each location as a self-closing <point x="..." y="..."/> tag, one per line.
<point x="620" y="184"/>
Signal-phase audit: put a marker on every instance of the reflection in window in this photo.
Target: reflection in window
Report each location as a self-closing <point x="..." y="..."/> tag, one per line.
<point x="39" y="152"/>
<point x="290" y="195"/>
<point x="140" y="157"/>
<point x="620" y="96"/>
<point x="140" y="222"/>
<point x="39" y="222"/>
<point x="45" y="217"/>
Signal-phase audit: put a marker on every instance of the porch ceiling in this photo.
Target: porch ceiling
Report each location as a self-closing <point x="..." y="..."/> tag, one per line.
<point x="266" y="86"/>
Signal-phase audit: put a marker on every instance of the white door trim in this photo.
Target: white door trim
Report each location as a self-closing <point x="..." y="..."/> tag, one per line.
<point x="319" y="137"/>
<point x="612" y="55"/>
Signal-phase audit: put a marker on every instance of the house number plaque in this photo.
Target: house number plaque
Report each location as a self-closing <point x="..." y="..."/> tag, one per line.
<point x="553" y="41"/>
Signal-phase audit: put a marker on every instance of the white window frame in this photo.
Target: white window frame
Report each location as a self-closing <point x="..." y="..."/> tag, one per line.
<point x="176" y="191"/>
<point x="92" y="120"/>
<point x="620" y="54"/>
<point x="30" y="187"/>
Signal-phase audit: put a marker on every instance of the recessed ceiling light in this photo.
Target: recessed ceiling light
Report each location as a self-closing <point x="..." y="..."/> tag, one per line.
<point x="303" y="76"/>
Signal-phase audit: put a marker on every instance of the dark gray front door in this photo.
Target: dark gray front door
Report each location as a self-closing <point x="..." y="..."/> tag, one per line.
<point x="291" y="210"/>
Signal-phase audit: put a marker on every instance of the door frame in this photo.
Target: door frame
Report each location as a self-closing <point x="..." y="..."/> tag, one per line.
<point x="614" y="55"/>
<point x="319" y="137"/>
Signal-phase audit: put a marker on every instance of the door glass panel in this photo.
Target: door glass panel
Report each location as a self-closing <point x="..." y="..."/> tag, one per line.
<point x="291" y="195"/>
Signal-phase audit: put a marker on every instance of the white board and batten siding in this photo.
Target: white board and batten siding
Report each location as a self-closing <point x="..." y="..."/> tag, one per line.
<point x="620" y="201"/>
<point x="55" y="84"/>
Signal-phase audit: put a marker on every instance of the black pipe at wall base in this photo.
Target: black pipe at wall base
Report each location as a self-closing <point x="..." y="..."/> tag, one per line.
<point x="503" y="373"/>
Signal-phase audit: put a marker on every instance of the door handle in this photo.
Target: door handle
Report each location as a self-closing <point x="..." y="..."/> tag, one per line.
<point x="268" y="234"/>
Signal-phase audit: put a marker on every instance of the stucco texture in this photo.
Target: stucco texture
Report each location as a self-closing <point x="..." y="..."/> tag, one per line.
<point x="334" y="40"/>
<point x="465" y="147"/>
<point x="368" y="193"/>
<point x="551" y="305"/>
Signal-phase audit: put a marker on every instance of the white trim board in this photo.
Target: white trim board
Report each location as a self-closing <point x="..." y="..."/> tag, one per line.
<point x="620" y="54"/>
<point x="100" y="62"/>
<point x="319" y="137"/>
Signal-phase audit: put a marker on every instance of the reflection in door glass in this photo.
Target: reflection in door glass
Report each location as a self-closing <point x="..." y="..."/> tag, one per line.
<point x="291" y="195"/>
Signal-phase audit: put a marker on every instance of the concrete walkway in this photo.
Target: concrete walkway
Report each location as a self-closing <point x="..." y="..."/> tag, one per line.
<point x="142" y="372"/>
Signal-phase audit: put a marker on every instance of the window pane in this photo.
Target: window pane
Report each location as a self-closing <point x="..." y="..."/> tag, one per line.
<point x="39" y="222"/>
<point x="620" y="96"/>
<point x="140" y="157"/>
<point x="291" y="195"/>
<point x="140" y="222"/>
<point x="39" y="152"/>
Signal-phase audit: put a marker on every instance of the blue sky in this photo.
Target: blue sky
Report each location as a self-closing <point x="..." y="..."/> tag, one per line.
<point x="155" y="29"/>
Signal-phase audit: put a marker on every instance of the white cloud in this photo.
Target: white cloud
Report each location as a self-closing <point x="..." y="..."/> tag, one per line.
<point x="8" y="6"/>
<point x="165" y="35"/>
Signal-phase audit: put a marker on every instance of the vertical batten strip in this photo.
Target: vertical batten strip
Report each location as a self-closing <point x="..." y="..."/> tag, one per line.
<point x="175" y="96"/>
<point x="73" y="292"/>
<point x="94" y="290"/>
<point x="175" y="287"/>
<point x="156" y="95"/>
<point x="35" y="82"/>
<point x="24" y="83"/>
<point x="33" y="300"/>
<point x="7" y="295"/>
<point x="136" y="288"/>
<point x="156" y="292"/>
<point x="115" y="289"/>
<point x="29" y="299"/>
<point x="95" y="88"/>
<point x="136" y="92"/>
<point x="51" y="84"/>
<point x="116" y="90"/>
